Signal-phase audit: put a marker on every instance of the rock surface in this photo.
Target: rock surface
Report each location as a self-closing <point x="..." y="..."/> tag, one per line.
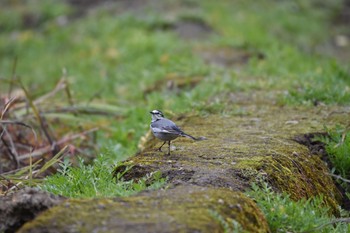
<point x="24" y="206"/>
<point x="182" y="209"/>
<point x="206" y="179"/>
<point x="245" y="149"/>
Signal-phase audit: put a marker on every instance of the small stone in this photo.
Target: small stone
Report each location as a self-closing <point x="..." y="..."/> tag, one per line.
<point x="341" y="40"/>
<point x="292" y="122"/>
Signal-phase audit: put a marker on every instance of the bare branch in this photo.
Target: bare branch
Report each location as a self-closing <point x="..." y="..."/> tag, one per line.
<point x="10" y="148"/>
<point x="339" y="177"/>
<point x="36" y="111"/>
<point x="2" y="122"/>
<point x="7" y="106"/>
<point x="61" y="85"/>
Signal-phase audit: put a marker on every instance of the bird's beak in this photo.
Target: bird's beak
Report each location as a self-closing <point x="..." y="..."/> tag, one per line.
<point x="151" y="112"/>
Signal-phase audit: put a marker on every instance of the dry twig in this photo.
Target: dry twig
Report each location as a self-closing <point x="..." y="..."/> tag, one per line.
<point x="48" y="149"/>
<point x="339" y="177"/>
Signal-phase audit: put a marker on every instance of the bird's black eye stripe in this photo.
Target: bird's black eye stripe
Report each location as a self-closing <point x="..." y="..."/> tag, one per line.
<point x="157" y="112"/>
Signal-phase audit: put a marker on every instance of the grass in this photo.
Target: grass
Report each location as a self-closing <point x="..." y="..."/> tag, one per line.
<point x="329" y="84"/>
<point x="286" y="215"/>
<point x="338" y="149"/>
<point x="30" y="175"/>
<point x="292" y="62"/>
<point x="337" y="145"/>
<point x="96" y="180"/>
<point x="125" y="52"/>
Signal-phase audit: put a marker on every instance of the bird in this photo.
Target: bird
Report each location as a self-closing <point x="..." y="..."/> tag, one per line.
<point x="166" y="130"/>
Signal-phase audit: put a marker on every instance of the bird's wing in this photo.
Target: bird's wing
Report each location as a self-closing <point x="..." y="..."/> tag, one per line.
<point x="166" y="126"/>
<point x="173" y="129"/>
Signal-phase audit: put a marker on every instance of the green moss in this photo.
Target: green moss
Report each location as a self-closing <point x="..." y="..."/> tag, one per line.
<point x="299" y="174"/>
<point x="243" y="149"/>
<point x="155" y="211"/>
<point x="306" y="177"/>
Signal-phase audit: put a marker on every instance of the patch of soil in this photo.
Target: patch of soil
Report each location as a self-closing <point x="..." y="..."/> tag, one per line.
<point x="23" y="206"/>
<point x="86" y="3"/>
<point x="315" y="146"/>
<point x="227" y="56"/>
<point x="83" y="6"/>
<point x="193" y="29"/>
<point x="186" y="28"/>
<point x="174" y="83"/>
<point x="344" y="14"/>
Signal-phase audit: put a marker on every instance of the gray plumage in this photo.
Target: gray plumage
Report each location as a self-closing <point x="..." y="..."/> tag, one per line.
<point x="166" y="130"/>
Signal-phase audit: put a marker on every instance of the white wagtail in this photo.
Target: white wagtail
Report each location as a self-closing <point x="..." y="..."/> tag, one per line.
<point x="166" y="130"/>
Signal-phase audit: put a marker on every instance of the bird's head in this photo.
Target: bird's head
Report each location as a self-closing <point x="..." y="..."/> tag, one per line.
<point x="156" y="114"/>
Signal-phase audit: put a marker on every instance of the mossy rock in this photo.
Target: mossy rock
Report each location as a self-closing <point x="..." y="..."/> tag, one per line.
<point x="182" y="209"/>
<point x="242" y="149"/>
<point x="207" y="179"/>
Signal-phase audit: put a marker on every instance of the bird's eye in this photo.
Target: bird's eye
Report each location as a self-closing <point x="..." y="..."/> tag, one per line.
<point x="157" y="112"/>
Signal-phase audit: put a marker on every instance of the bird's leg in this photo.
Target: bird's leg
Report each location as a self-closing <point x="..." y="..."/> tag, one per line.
<point x="168" y="148"/>
<point x="160" y="148"/>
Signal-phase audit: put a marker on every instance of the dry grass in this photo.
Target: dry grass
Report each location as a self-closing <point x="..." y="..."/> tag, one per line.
<point x="36" y="133"/>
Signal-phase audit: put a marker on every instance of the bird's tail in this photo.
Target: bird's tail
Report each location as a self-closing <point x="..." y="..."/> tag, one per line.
<point x="193" y="138"/>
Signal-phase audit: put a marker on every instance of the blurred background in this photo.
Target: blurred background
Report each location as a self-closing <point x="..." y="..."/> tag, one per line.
<point x="85" y="73"/>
